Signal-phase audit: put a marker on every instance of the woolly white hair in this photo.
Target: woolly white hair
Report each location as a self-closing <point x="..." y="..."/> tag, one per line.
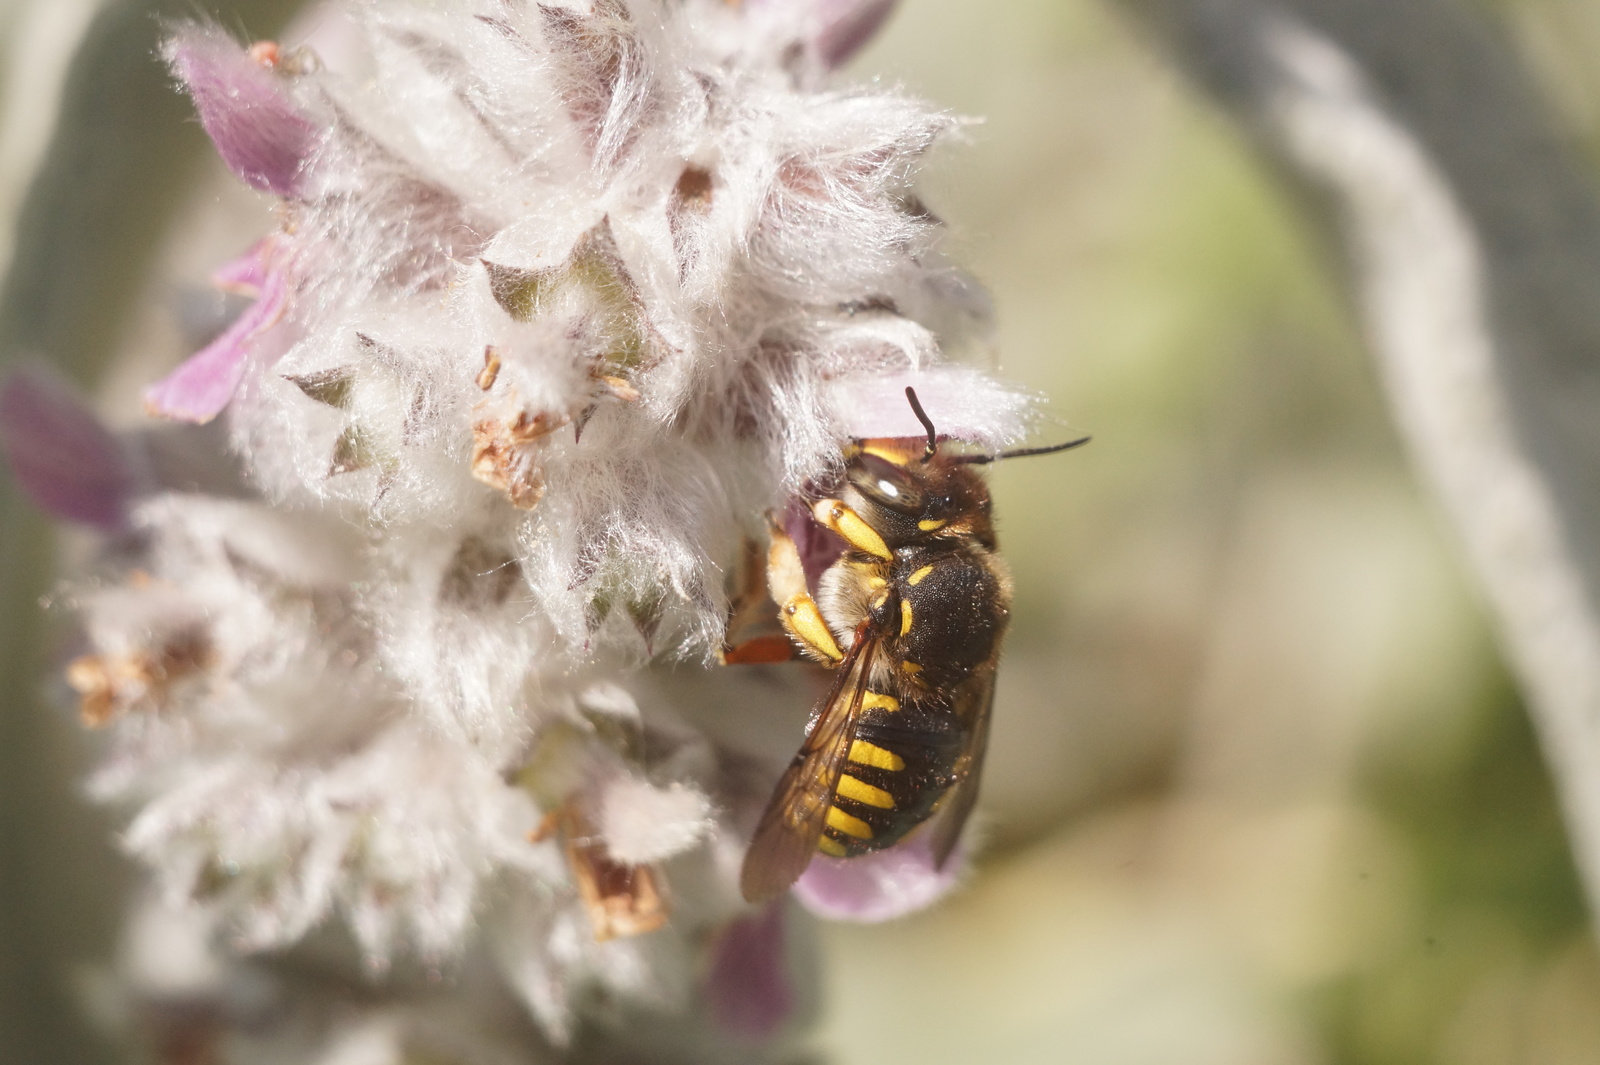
<point x="576" y="291"/>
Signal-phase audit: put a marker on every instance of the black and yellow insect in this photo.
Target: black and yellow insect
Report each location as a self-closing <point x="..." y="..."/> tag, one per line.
<point x="911" y="617"/>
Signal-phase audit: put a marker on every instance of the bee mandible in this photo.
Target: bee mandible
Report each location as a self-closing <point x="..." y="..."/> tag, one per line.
<point x="910" y="618"/>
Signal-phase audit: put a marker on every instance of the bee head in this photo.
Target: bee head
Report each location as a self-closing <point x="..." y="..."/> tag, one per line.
<point x="910" y="491"/>
<point x="909" y="496"/>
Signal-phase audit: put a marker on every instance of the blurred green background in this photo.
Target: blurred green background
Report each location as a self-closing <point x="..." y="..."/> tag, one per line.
<point x="1260" y="789"/>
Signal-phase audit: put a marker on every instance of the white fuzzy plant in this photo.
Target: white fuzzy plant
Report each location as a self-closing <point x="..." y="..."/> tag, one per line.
<point x="565" y="297"/>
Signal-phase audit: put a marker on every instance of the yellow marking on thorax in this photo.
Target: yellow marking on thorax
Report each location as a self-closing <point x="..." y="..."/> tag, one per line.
<point x="834" y="515"/>
<point x="805" y="621"/>
<point x="861" y="791"/>
<point x="905" y="616"/>
<point x="897" y="454"/>
<point x="870" y="754"/>
<point x="879" y="701"/>
<point x="831" y="847"/>
<point x="916" y="578"/>
<point x="930" y="524"/>
<point x="910" y="668"/>
<point x="850" y="826"/>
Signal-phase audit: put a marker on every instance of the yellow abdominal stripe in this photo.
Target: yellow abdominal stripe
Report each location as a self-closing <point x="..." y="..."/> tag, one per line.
<point x="862" y="792"/>
<point x="850" y="826"/>
<point x="831" y="847"/>
<point x="879" y="701"/>
<point x="870" y="754"/>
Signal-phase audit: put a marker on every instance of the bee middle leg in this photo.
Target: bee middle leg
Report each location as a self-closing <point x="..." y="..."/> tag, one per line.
<point x="797" y="611"/>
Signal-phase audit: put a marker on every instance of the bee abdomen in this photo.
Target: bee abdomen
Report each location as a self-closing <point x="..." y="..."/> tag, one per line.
<point x="899" y="765"/>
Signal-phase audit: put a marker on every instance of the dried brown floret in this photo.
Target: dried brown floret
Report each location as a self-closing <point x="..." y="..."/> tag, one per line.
<point x="622" y="899"/>
<point x="110" y="685"/>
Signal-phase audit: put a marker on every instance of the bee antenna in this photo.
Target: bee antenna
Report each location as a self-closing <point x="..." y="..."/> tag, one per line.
<point x="927" y="423"/>
<point x="1023" y="452"/>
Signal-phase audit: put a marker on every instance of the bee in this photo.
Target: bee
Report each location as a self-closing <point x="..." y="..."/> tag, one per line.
<point x="910" y="618"/>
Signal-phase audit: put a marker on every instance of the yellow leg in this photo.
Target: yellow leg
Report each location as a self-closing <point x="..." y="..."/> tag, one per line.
<point x="834" y="515"/>
<point x="786" y="579"/>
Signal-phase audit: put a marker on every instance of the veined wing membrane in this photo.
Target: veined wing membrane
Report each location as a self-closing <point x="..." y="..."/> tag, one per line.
<point x="786" y="839"/>
<point x="979" y="697"/>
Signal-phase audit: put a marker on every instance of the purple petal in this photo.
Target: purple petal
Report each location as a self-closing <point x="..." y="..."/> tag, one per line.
<point x="258" y="130"/>
<point x="204" y="384"/>
<point x="846" y="26"/>
<point x="878" y="886"/>
<point x="818" y="547"/>
<point x="64" y="460"/>
<point x="748" y="988"/>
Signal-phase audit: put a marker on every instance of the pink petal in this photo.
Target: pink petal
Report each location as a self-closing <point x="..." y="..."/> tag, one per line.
<point x="258" y="130"/>
<point x="846" y="26"/>
<point x="879" y="886"/>
<point x="748" y="988"/>
<point x="64" y="460"/>
<point x="247" y="275"/>
<point x="205" y="383"/>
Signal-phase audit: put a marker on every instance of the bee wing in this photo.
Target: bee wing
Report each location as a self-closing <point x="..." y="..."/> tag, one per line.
<point x="786" y="839"/>
<point x="978" y="697"/>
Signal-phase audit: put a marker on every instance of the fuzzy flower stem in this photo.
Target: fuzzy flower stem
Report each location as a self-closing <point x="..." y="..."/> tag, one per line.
<point x="1474" y="243"/>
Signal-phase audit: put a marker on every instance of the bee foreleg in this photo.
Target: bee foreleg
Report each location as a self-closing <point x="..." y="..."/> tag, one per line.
<point x="851" y="527"/>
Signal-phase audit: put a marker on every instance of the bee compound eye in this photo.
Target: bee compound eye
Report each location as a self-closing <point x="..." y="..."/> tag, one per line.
<point x="886" y="484"/>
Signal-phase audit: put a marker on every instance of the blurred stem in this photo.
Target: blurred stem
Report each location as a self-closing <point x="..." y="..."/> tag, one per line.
<point x="1472" y="244"/>
<point x="122" y="157"/>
